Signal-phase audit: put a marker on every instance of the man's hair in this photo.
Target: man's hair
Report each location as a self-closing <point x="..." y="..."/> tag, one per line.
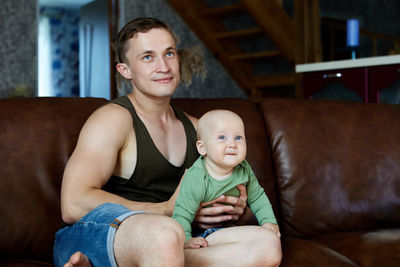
<point x="131" y="29"/>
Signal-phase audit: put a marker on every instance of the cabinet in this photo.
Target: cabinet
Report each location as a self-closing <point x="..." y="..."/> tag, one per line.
<point x="368" y="80"/>
<point x="384" y="84"/>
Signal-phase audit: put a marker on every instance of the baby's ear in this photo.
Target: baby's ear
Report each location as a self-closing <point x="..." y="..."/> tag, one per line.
<point x="201" y="148"/>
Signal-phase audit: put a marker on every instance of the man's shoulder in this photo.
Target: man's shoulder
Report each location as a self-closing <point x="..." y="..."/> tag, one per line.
<point x="108" y="120"/>
<point x="111" y="113"/>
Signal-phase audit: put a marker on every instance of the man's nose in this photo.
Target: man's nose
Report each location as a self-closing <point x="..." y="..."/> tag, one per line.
<point x="163" y="65"/>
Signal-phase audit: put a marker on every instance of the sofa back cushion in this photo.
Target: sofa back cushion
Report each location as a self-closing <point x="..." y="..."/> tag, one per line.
<point x="37" y="136"/>
<point x="337" y="164"/>
<point x="258" y="152"/>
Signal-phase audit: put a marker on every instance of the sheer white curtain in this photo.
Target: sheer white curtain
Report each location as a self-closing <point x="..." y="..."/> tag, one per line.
<point x="44" y="57"/>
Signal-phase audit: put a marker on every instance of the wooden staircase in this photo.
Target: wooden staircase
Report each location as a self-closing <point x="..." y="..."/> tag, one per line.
<point x="269" y="20"/>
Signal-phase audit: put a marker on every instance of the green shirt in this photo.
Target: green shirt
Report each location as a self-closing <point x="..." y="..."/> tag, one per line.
<point x="198" y="186"/>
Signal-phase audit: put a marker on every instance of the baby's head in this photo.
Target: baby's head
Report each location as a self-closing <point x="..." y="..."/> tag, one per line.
<point x="221" y="138"/>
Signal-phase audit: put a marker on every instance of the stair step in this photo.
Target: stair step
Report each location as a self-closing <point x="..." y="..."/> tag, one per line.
<point x="273" y="80"/>
<point x="276" y="23"/>
<point x="224" y="11"/>
<point x="257" y="55"/>
<point x="240" y="34"/>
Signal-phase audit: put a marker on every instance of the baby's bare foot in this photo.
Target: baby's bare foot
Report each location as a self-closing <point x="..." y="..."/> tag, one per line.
<point x="78" y="259"/>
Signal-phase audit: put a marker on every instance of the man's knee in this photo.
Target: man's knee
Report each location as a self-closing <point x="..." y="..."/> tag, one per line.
<point x="167" y="231"/>
<point x="152" y="230"/>
<point x="270" y="249"/>
<point x="144" y="235"/>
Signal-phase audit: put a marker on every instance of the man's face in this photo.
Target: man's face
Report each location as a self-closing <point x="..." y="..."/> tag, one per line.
<point x="153" y="64"/>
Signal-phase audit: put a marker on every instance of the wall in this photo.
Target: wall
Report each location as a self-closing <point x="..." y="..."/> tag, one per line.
<point x="18" y="47"/>
<point x="218" y="82"/>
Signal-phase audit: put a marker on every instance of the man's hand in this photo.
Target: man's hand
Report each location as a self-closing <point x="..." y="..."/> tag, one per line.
<point x="196" y="242"/>
<point x="273" y="227"/>
<point x="213" y="213"/>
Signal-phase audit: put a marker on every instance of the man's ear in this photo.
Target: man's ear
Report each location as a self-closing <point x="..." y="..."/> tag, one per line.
<point x="124" y="70"/>
<point x="201" y="148"/>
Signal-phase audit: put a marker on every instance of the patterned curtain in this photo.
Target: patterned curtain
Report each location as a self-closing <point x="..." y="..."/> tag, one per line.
<point x="59" y="33"/>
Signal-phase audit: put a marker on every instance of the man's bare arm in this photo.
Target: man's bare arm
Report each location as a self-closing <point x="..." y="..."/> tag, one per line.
<point x="103" y="137"/>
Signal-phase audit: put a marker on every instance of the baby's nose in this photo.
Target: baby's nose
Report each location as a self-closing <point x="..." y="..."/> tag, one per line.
<point x="232" y="143"/>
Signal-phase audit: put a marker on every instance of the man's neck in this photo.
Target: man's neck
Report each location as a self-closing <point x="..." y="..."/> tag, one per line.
<point x="157" y="107"/>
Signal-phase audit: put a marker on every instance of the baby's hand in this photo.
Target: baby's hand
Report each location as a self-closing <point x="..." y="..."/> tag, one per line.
<point x="196" y="242"/>
<point x="273" y="227"/>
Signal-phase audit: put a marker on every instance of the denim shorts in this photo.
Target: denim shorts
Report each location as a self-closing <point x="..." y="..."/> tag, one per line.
<point x="207" y="232"/>
<point x="93" y="235"/>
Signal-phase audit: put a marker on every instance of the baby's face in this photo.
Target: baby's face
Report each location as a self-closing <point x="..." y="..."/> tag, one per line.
<point x="225" y="141"/>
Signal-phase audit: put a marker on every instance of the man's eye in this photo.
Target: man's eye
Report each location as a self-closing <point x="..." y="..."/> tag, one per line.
<point x="170" y="54"/>
<point x="221" y="137"/>
<point x="147" y="58"/>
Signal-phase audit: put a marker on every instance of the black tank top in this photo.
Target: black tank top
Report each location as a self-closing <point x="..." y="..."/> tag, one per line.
<point x="154" y="178"/>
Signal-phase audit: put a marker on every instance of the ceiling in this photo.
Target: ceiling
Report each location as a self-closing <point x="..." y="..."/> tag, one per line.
<point x="64" y="3"/>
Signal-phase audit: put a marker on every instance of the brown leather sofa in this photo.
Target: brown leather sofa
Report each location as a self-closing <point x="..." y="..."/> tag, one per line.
<point x="330" y="169"/>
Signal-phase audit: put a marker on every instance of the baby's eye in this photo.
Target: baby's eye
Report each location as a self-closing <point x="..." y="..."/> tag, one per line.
<point x="221" y="137"/>
<point x="238" y="138"/>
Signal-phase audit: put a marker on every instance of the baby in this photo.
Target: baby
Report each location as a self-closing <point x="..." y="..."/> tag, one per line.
<point x="219" y="170"/>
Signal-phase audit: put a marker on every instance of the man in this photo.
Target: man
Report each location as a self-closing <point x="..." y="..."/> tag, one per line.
<point x="121" y="182"/>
